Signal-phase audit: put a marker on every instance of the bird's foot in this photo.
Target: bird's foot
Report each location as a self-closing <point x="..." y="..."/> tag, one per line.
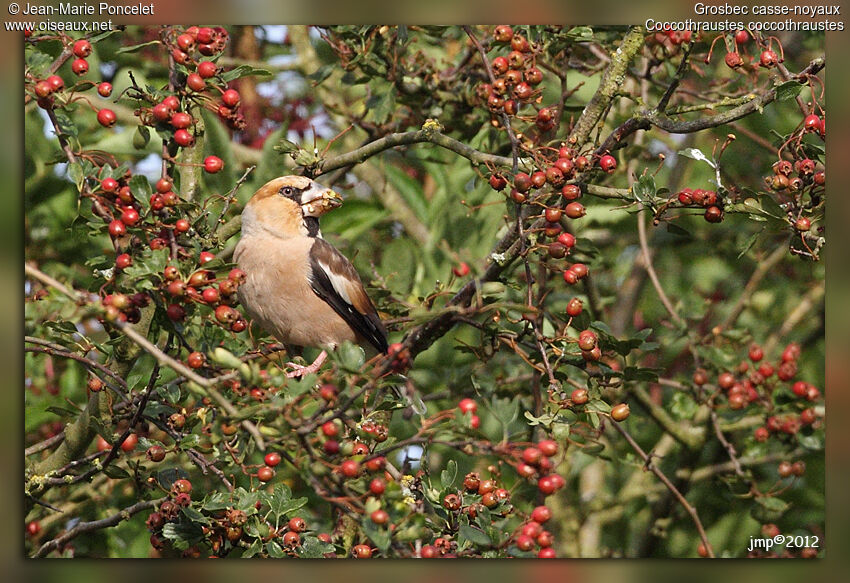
<point x="301" y="370"/>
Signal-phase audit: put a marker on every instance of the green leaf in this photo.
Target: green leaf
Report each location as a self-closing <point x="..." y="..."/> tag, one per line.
<point x="788" y="90"/>
<point x="768" y="509"/>
<point x="378" y="535"/>
<point x="134" y="48"/>
<point x="116" y="472"/>
<point x="313" y="548"/>
<point x="321" y="74"/>
<point x="751" y="240"/>
<point x="183" y="534"/>
<point x="244" y="71"/>
<point x="475" y="536"/>
<point x="274" y="551"/>
<point x="448" y="476"/>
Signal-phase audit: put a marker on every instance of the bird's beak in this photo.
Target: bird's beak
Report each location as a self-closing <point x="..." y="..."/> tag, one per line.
<point x="326" y="201"/>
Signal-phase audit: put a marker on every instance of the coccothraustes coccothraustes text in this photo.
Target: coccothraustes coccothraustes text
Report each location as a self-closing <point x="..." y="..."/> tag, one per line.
<point x="299" y="288"/>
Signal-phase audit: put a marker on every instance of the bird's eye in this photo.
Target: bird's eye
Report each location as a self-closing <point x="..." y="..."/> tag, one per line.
<point x="287" y="190"/>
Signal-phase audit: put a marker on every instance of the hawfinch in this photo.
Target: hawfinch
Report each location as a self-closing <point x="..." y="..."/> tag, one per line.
<point x="299" y="288"/>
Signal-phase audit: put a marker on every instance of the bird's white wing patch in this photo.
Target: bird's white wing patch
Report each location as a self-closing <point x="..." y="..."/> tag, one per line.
<point x="339" y="283"/>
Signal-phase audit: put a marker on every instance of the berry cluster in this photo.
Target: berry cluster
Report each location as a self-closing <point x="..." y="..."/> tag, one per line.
<point x="707" y="199"/>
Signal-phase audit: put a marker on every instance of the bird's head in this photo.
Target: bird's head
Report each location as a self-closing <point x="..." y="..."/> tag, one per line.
<point x="289" y="206"/>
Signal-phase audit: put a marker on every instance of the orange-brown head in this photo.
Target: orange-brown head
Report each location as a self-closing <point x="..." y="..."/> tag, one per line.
<point x="288" y="206"/>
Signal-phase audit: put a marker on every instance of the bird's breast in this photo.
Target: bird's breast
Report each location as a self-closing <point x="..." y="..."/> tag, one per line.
<point x="278" y="296"/>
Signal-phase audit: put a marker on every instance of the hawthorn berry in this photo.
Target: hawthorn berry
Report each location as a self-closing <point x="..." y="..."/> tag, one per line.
<point x="768" y="59"/>
<point x="733" y="60"/>
<point x="349" y="468"/>
<point x="80" y="67"/>
<point x="82" y="48"/>
<point x="713" y="214"/>
<point x="461" y="269"/>
<point x="361" y="551"/>
<point x="525" y="543"/>
<point x="129" y="444"/>
<point x="620" y="412"/>
<point x="467" y="406"/>
<point x="531" y="455"/>
<point x="196" y="360"/>
<point x="183" y="138"/>
<point x="503" y="34"/>
<point x="377" y="486"/>
<point x="104" y="89"/>
<point x="545" y="539"/>
<point x="265" y="474"/>
<point x="575" y="210"/>
<point x="130" y="217"/>
<point x="608" y="163"/>
<point x="106" y="118"/>
<point x="195" y="82"/>
<point x="541" y="514"/>
<point x="123" y="261"/>
<point x="230" y="98"/>
<point x="117" y="228"/>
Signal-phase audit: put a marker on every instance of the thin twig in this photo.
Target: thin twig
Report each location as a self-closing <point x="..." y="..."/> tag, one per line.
<point x="85" y="527"/>
<point x="229" y="199"/>
<point x="666" y="481"/>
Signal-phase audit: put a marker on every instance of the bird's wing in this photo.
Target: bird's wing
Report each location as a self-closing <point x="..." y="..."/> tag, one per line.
<point x="335" y="280"/>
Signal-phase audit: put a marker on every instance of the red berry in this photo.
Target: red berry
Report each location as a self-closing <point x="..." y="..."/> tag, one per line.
<point x="733" y="60"/>
<point x="380" y="516"/>
<point x="361" y="551"/>
<point x="43" y="89"/>
<point x="117" y="228"/>
<point x="211" y="295"/>
<point x="812" y="123"/>
<point x="297" y="524"/>
<point x="82" y="48"/>
<point x="230" y="98"/>
<point x="206" y="69"/>
<point x="608" y="163"/>
<point x="196" y="360"/>
<point x="129" y="444"/>
<point x="183" y="138"/>
<point x="377" y="486"/>
<point x="548" y="447"/>
<point x="104" y="89"/>
<point x="761" y="434"/>
<point x="467" y="406"/>
<point x="547" y="553"/>
<point x="181" y="226"/>
<point x="498" y="182"/>
<point x="741" y="36"/>
<point x="570" y="277"/>
<point x="800" y="388"/>
<point x="181" y="120"/>
<point x="713" y="214"/>
<point x="461" y="270"/>
<point x="331" y="447"/>
<point x="130" y="217"/>
<point x="161" y="112"/>
<point x="186" y="42"/>
<point x="265" y="474"/>
<point x="205" y="35"/>
<point x="123" y="261"/>
<point x="620" y="412"/>
<point x="109" y="185"/>
<point x="541" y="514"/>
<point x="106" y="118"/>
<point x="575" y="210"/>
<point x="474" y="422"/>
<point x="195" y="82"/>
<point x="571" y="191"/>
<point x="175" y="312"/>
<point x="768" y="59"/>
<point x="349" y="468"/>
<point x="546" y="485"/>
<point x="205" y="257"/>
<point x="172" y="103"/>
<point x="553" y="214"/>
<point x="808" y="416"/>
<point x="568" y="240"/>
<point x="503" y="33"/>
<point x="531" y="455"/>
<point x="80" y="66"/>
<point x="330" y="429"/>
<point x="226" y="315"/>
<point x="803" y="224"/>
<point x="756" y="353"/>
<point x="525" y="542"/>
<point x="574" y="308"/>
<point x="522" y="182"/>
